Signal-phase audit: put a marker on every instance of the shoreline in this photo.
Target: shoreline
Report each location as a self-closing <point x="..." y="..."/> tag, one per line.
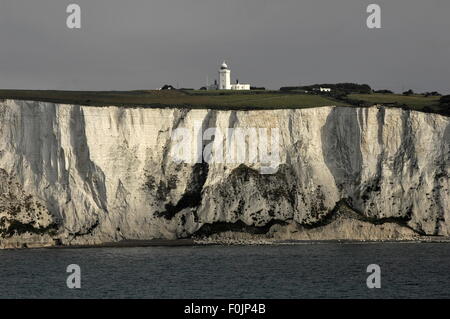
<point x="200" y="243"/>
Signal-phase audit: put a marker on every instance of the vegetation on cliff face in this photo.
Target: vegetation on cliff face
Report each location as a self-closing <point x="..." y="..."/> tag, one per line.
<point x="21" y="212"/>
<point x="18" y="228"/>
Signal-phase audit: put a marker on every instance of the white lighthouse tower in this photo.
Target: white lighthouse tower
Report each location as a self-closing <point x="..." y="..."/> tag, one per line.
<point x="225" y="81"/>
<point x="224" y="77"/>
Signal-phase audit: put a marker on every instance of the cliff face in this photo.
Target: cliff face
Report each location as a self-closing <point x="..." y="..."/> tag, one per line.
<point x="85" y="175"/>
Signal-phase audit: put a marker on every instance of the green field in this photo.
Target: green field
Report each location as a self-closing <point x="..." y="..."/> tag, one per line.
<point x="190" y="99"/>
<point x="416" y="101"/>
<point x="230" y="100"/>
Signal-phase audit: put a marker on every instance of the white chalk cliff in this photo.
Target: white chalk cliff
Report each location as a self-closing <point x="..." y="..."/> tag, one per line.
<point x="74" y="174"/>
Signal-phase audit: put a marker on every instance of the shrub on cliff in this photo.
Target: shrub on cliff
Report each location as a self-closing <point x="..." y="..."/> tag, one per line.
<point x="444" y="100"/>
<point x="409" y="92"/>
<point x="384" y="92"/>
<point x="434" y="93"/>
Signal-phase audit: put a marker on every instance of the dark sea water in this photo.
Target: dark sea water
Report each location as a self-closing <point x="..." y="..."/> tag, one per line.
<point x="325" y="270"/>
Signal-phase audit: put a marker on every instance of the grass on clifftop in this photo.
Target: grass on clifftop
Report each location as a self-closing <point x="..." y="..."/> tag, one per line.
<point x="191" y="99"/>
<point x="417" y="102"/>
<point x="226" y="100"/>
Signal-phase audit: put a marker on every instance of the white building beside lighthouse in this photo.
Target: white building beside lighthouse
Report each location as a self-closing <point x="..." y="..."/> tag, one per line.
<point x="225" y="81"/>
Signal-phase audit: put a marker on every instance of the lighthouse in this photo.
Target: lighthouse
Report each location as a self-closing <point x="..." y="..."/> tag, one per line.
<point x="225" y="81"/>
<point x="224" y="77"/>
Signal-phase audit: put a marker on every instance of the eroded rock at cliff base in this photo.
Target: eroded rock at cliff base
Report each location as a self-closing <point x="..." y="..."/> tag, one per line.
<point x="342" y="224"/>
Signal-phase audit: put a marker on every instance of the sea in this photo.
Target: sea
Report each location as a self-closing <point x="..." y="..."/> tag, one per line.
<point x="291" y="270"/>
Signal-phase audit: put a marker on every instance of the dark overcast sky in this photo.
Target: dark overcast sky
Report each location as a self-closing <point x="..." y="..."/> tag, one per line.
<point x="142" y="44"/>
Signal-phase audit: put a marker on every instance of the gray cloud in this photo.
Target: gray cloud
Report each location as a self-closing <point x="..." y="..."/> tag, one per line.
<point x="141" y="44"/>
